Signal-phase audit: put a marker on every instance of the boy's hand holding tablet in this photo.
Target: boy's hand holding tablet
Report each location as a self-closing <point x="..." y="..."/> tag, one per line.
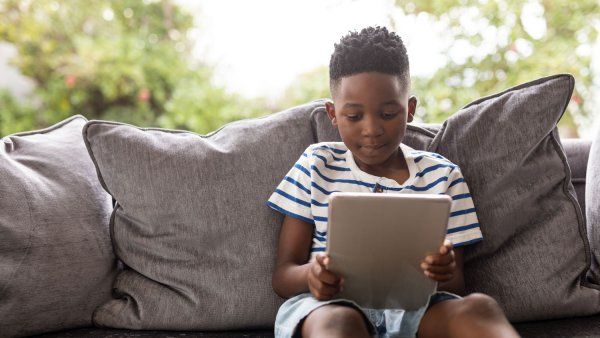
<point x="324" y="284"/>
<point x="440" y="267"/>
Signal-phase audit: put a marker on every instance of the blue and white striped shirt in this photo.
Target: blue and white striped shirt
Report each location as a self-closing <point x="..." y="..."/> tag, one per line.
<point x="328" y="167"/>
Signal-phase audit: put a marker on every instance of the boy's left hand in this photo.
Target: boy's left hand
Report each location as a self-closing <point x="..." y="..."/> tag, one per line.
<point x="440" y="266"/>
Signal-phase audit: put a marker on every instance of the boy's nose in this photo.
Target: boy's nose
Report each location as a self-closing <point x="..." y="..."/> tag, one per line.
<point x="371" y="127"/>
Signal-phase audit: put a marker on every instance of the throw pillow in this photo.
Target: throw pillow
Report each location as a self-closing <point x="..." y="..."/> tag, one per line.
<point x="56" y="259"/>
<point x="535" y="253"/>
<point x="191" y="224"/>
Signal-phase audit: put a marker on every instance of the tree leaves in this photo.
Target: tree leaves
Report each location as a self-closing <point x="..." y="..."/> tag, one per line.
<point x="128" y="61"/>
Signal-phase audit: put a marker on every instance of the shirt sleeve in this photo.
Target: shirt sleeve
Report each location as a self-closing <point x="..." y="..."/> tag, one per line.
<point x="463" y="224"/>
<point x="292" y="197"/>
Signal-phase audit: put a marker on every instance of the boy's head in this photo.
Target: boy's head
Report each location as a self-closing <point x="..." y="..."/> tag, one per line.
<point x="370" y="84"/>
<point x="374" y="49"/>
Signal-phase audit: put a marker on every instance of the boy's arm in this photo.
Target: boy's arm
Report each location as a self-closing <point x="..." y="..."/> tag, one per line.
<point x="293" y="252"/>
<point x="293" y="273"/>
<point x="457" y="284"/>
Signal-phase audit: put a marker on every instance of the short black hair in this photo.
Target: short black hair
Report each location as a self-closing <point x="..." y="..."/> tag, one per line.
<point x="374" y="49"/>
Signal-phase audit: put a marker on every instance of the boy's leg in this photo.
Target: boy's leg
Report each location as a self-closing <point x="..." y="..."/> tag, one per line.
<point x="475" y="315"/>
<point x="335" y="321"/>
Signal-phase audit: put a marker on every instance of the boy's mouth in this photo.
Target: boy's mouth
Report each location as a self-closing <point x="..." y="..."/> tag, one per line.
<point x="373" y="146"/>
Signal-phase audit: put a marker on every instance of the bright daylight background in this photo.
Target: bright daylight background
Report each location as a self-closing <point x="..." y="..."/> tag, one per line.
<point x="196" y="65"/>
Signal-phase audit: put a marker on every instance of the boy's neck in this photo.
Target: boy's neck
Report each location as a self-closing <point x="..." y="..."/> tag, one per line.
<point x="395" y="167"/>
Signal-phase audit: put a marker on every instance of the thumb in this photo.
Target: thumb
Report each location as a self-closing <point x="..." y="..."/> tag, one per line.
<point x="322" y="259"/>
<point x="446" y="247"/>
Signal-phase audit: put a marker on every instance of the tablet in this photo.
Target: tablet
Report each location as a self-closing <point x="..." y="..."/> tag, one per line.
<point x="378" y="241"/>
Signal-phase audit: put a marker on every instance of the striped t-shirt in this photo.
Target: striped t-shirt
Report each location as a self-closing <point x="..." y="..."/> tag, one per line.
<point x="329" y="167"/>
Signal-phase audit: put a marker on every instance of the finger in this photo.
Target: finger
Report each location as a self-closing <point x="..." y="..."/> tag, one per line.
<point x="323" y="289"/>
<point x="329" y="290"/>
<point x="439" y="277"/>
<point x="448" y="244"/>
<point x="440" y="259"/>
<point x="322" y="259"/>
<point x="446" y="247"/>
<point x="328" y="277"/>
<point x="439" y="269"/>
<point x="322" y="274"/>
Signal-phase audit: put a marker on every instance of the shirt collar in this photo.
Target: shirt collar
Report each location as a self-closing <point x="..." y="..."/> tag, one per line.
<point x="364" y="176"/>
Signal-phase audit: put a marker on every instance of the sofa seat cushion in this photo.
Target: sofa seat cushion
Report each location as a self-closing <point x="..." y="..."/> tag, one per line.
<point x="568" y="327"/>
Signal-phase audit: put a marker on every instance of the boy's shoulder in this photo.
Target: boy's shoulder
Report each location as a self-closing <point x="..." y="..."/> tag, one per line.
<point x="327" y="148"/>
<point x="427" y="158"/>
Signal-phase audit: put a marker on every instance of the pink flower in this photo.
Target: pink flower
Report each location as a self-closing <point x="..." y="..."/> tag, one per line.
<point x="144" y="95"/>
<point x="70" y="81"/>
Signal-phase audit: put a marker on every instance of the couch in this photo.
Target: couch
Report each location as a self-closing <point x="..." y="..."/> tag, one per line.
<point x="577" y="153"/>
<point x="153" y="232"/>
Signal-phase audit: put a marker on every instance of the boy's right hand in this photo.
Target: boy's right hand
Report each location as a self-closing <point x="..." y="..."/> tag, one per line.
<point x="322" y="283"/>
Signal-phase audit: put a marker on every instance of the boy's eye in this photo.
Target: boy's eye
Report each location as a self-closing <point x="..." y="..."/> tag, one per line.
<point x="389" y="114"/>
<point x="352" y="116"/>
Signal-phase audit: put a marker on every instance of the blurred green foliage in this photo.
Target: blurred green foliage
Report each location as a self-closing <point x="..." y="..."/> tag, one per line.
<point x="509" y="42"/>
<point x="497" y="52"/>
<point x="124" y="60"/>
<point x="306" y="87"/>
<point x="131" y="61"/>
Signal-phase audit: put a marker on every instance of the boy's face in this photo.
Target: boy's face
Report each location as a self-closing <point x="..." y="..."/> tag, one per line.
<point x="370" y="111"/>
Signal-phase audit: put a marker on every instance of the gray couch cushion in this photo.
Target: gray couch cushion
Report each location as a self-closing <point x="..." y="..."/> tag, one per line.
<point x="56" y="260"/>
<point x="592" y="199"/>
<point x="191" y="222"/>
<point x="577" y="151"/>
<point x="535" y="253"/>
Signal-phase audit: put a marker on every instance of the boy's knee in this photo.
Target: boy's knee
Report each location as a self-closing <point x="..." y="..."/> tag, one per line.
<point x="480" y="305"/>
<point x="479" y="315"/>
<point x="335" y="318"/>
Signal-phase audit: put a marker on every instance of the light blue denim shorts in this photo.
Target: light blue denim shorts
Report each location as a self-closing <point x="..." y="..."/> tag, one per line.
<point x="382" y="322"/>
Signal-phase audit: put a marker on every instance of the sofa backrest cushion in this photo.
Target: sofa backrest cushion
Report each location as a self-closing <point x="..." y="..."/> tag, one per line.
<point x="56" y="259"/>
<point x="191" y="224"/>
<point x="535" y="253"/>
<point x="592" y="207"/>
<point x="578" y="151"/>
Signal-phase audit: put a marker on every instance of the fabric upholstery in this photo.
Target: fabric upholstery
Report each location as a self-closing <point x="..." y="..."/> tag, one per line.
<point x="577" y="151"/>
<point x="56" y="260"/>
<point x="569" y="327"/>
<point x="191" y="224"/>
<point x="535" y="253"/>
<point x="592" y="201"/>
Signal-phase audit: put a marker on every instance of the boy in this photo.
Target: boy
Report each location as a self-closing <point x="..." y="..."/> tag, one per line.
<point x="369" y="82"/>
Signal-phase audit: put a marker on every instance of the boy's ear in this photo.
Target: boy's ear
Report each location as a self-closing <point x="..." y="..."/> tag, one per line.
<point x="412" y="107"/>
<point x="331" y="112"/>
